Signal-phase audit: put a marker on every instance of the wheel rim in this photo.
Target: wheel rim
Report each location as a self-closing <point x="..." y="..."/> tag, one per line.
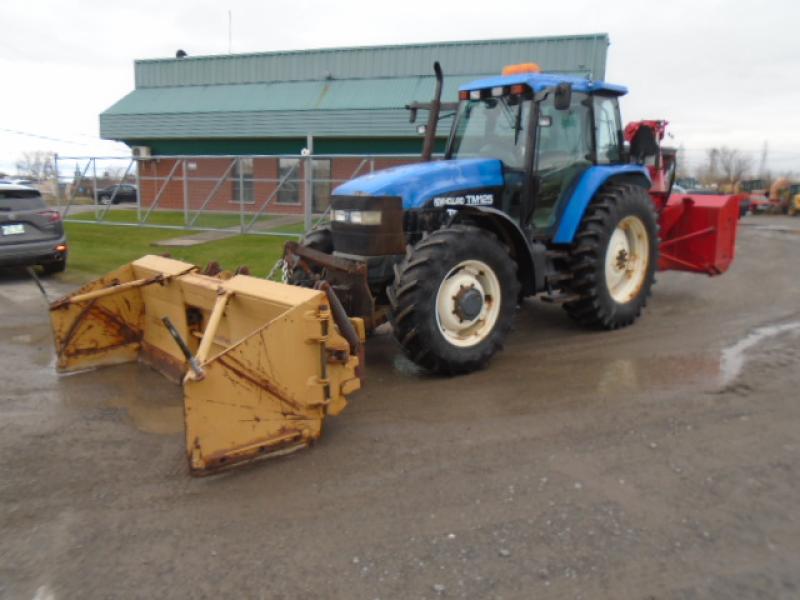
<point x="627" y="259"/>
<point x="468" y="303"/>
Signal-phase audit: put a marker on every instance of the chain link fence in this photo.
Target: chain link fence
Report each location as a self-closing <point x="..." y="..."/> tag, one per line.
<point x="279" y="195"/>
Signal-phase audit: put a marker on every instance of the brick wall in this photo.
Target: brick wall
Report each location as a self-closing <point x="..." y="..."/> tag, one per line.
<point x="203" y="175"/>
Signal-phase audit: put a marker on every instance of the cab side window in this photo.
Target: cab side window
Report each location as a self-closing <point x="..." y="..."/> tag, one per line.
<point x="607" y="129"/>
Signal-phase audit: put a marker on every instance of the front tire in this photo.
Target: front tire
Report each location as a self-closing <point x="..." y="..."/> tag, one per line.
<point x="614" y="258"/>
<point x="453" y="300"/>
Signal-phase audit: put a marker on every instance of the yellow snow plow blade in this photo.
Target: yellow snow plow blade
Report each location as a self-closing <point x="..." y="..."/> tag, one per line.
<point x="262" y="363"/>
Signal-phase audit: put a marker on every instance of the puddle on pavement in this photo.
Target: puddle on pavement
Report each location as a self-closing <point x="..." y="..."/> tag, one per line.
<point x="36" y="343"/>
<point x="635" y="375"/>
<point x="153" y="403"/>
<point x="558" y="374"/>
<point x="734" y="357"/>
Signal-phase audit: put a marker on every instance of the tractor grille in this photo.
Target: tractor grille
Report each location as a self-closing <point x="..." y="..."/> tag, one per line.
<point x="369" y="240"/>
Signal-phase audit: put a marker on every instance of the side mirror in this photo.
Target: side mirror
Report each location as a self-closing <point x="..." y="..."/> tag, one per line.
<point x="563" y="97"/>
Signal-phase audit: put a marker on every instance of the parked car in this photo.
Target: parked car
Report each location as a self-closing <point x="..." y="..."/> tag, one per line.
<point x="759" y="203"/>
<point x="114" y="194"/>
<point x="31" y="233"/>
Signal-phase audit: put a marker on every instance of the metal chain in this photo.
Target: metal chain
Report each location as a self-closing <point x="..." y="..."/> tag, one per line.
<point x="279" y="264"/>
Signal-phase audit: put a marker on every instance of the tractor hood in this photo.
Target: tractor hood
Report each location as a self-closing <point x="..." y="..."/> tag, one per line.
<point x="418" y="183"/>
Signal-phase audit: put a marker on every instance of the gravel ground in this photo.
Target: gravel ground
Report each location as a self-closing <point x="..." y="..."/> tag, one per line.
<point x="660" y="461"/>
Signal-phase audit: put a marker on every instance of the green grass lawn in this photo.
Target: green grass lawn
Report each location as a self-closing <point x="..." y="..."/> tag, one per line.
<point x="168" y="217"/>
<point x="97" y="249"/>
<point x="297" y="228"/>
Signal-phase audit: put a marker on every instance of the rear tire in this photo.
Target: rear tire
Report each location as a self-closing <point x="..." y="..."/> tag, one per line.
<point x="614" y="258"/>
<point x="453" y="300"/>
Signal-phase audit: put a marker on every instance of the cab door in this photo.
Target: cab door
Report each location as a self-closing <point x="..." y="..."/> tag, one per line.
<point x="564" y="150"/>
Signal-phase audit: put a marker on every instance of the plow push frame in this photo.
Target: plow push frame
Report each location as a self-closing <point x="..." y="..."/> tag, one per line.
<point x="261" y="364"/>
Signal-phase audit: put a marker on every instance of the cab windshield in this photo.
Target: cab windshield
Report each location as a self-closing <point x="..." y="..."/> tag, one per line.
<point x="492" y="128"/>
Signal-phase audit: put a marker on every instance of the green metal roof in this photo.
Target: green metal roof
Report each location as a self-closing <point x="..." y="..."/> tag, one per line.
<point x="353" y="92"/>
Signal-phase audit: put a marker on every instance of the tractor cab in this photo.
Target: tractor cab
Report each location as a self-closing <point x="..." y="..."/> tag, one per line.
<point x="545" y="129"/>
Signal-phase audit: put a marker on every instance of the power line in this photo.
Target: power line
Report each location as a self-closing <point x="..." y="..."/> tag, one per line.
<point x="769" y="153"/>
<point x="45" y="137"/>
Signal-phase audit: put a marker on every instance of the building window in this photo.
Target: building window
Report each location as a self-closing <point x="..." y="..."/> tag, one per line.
<point x="242" y="174"/>
<point x="289" y="192"/>
<point x="322" y="184"/>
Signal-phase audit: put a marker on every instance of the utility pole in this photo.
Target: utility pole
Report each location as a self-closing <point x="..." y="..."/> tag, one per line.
<point x="308" y="182"/>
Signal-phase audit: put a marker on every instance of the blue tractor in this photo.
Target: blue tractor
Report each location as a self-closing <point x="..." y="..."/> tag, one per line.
<point x="537" y="194"/>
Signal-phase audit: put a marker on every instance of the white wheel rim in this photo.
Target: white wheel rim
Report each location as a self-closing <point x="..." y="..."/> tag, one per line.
<point x="457" y="330"/>
<point x="627" y="259"/>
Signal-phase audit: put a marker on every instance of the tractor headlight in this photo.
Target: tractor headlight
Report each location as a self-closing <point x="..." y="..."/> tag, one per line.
<point x="358" y="217"/>
<point x="368" y="217"/>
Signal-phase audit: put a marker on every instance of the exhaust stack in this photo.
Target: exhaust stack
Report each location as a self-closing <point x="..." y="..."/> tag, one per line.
<point x="433" y="115"/>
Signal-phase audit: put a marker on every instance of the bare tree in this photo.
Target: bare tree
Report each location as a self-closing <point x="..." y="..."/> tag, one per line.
<point x="733" y="164"/>
<point x="113" y="172"/>
<point x="724" y="165"/>
<point x="37" y="165"/>
<point x="708" y="172"/>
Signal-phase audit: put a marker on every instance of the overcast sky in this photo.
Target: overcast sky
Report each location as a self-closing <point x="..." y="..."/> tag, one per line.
<point x="722" y="72"/>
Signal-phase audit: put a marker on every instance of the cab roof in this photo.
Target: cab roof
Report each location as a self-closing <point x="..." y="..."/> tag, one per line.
<point x="541" y="81"/>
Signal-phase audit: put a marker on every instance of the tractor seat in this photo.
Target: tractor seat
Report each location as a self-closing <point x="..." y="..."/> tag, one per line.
<point x="643" y="145"/>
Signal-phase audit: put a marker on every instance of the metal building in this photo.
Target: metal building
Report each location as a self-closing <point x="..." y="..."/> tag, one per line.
<point x="350" y="99"/>
<point x="246" y="117"/>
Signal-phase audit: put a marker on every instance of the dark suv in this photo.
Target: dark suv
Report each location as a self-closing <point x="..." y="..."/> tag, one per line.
<point x="30" y="232"/>
<point x="114" y="194"/>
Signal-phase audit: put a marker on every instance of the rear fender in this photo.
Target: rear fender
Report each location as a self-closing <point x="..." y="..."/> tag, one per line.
<point x="530" y="264"/>
<point x="589" y="184"/>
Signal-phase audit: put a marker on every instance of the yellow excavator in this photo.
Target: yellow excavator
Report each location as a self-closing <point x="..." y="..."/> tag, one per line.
<point x="794" y="199"/>
<point x="785" y="196"/>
